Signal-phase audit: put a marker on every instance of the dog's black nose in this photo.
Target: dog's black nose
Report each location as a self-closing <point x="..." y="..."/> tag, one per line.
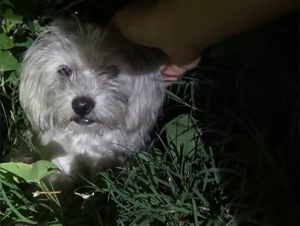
<point x="83" y="105"/>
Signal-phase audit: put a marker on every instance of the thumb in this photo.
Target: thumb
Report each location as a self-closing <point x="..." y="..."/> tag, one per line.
<point x="172" y="72"/>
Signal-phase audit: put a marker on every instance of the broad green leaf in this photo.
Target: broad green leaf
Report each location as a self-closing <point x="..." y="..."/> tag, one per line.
<point x="30" y="172"/>
<point x="8" y="62"/>
<point x="27" y="43"/>
<point x="5" y="42"/>
<point x="181" y="132"/>
<point x="30" y="24"/>
<point x="13" y="78"/>
<point x="9" y="14"/>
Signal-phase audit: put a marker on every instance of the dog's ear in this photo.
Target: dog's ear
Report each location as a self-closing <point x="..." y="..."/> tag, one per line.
<point x="144" y="104"/>
<point x="32" y="89"/>
<point x="143" y="67"/>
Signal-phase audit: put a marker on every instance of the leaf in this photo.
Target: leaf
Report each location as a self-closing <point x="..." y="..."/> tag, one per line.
<point x="9" y="14"/>
<point x="29" y="41"/>
<point x="5" y="42"/>
<point x="30" y="24"/>
<point x="13" y="79"/>
<point x="30" y="172"/>
<point x="8" y="62"/>
<point x="181" y="132"/>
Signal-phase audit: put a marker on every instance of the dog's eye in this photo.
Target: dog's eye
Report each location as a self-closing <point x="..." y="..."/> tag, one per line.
<point x="65" y="70"/>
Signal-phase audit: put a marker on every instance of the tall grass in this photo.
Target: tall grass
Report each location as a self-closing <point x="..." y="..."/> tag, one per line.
<point x="225" y="150"/>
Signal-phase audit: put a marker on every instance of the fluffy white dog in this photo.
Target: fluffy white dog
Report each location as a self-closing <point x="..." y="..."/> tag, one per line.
<point x="89" y="95"/>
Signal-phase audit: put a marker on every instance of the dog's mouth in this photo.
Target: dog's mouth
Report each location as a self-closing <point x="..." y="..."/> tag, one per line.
<point x="81" y="120"/>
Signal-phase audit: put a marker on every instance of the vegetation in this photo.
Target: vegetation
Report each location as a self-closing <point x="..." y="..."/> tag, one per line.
<point x="225" y="150"/>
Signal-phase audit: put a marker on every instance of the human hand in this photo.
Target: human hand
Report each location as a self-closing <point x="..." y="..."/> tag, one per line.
<point x="140" y="24"/>
<point x="182" y="29"/>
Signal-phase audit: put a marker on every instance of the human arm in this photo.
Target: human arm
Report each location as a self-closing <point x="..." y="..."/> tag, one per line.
<point x="183" y="29"/>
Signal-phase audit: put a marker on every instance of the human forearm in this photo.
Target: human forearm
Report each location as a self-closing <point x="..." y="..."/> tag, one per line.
<point x="183" y="28"/>
<point x="201" y="23"/>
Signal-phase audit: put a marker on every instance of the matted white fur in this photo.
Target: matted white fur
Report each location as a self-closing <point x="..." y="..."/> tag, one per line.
<point x="121" y="78"/>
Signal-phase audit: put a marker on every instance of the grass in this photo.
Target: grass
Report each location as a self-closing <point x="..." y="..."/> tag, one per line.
<point x="225" y="150"/>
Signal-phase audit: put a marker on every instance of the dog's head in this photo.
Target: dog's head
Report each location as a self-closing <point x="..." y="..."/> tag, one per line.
<point x="83" y="79"/>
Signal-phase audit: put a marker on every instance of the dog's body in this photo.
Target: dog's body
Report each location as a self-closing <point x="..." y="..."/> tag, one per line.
<point x="89" y="94"/>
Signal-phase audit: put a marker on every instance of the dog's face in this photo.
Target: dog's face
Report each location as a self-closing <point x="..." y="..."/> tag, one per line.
<point x="84" y="80"/>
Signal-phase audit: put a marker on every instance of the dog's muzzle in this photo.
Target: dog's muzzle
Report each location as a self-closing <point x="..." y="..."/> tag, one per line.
<point x="82" y="106"/>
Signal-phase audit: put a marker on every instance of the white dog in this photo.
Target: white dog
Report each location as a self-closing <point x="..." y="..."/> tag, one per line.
<point x="89" y="94"/>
